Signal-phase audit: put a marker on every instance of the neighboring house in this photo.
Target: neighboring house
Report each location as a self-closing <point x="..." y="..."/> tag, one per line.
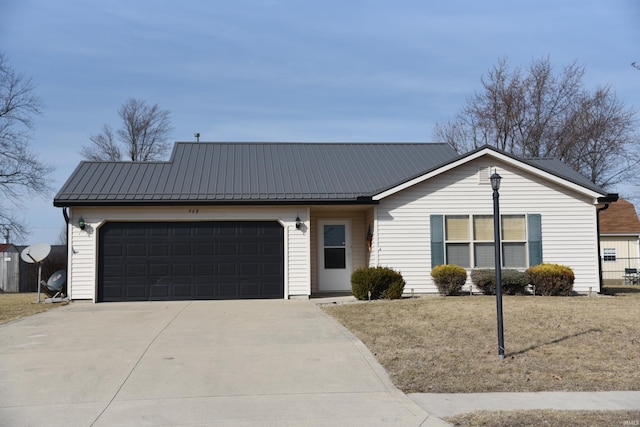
<point x="287" y="220"/>
<point x="9" y="268"/>
<point x="619" y="239"/>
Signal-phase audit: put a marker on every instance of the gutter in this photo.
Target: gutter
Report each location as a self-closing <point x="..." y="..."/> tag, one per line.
<point x="607" y="200"/>
<point x="359" y="200"/>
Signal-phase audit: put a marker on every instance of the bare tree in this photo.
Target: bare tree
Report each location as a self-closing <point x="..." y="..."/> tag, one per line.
<point x="22" y="174"/>
<point x="143" y="136"/>
<point x="541" y="113"/>
<point x="104" y="146"/>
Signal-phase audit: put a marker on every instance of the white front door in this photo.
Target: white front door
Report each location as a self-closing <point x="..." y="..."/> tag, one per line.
<point x="334" y="255"/>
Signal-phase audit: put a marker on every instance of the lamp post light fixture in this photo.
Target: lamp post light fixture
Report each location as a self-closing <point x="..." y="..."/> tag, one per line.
<point x="495" y="185"/>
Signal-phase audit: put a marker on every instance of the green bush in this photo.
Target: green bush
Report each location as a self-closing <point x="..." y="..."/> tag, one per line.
<point x="485" y="280"/>
<point x="449" y="278"/>
<point x="514" y="282"/>
<point x="551" y="279"/>
<point x="382" y="282"/>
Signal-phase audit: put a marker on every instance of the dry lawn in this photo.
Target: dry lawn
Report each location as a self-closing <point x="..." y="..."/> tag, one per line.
<point x="14" y="306"/>
<point x="449" y="344"/>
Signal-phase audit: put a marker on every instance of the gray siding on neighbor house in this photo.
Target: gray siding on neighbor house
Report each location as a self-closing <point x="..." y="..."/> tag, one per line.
<point x="254" y="172"/>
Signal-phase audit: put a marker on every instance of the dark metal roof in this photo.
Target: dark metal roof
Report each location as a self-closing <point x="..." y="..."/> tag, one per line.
<point x="227" y="173"/>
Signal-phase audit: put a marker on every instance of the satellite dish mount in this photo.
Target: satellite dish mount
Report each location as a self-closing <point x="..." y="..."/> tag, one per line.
<point x="35" y="254"/>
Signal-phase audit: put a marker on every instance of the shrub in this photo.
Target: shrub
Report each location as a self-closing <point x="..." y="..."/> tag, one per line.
<point x="514" y="282"/>
<point x="382" y="282"/>
<point x="485" y="280"/>
<point x="551" y="279"/>
<point x="449" y="278"/>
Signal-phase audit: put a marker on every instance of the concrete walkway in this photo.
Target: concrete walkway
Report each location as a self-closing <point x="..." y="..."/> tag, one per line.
<point x="447" y="404"/>
<point x="196" y="363"/>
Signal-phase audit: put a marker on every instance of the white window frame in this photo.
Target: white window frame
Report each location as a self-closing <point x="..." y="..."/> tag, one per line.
<point x="471" y="242"/>
<point x="608" y="253"/>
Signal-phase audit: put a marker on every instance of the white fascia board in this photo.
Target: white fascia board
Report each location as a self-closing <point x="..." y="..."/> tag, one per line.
<point x="498" y="156"/>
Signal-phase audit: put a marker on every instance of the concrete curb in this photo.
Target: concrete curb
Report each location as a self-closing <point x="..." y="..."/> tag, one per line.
<point x="450" y="404"/>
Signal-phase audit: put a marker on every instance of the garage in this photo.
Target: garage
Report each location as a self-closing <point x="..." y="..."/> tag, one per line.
<point x="142" y="261"/>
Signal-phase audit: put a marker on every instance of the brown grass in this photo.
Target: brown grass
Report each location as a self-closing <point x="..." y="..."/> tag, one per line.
<point x="14" y="306"/>
<point x="546" y="418"/>
<point x="449" y="344"/>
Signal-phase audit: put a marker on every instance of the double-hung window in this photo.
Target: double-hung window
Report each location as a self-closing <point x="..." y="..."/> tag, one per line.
<point x="467" y="240"/>
<point x="609" y="254"/>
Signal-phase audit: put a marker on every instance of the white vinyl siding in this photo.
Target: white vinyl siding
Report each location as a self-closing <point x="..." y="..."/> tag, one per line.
<point x="568" y="219"/>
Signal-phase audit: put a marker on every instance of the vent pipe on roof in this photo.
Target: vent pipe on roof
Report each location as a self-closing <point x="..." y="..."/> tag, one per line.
<point x="5" y="229"/>
<point x="197" y="135"/>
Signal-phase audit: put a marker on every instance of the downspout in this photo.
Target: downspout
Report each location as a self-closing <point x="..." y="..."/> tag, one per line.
<point x="610" y="198"/>
<point x="65" y="214"/>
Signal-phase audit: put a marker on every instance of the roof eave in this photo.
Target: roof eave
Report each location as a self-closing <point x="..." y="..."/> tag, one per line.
<point x="360" y="200"/>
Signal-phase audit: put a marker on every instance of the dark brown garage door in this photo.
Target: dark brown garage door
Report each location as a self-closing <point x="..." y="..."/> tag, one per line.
<point x="190" y="260"/>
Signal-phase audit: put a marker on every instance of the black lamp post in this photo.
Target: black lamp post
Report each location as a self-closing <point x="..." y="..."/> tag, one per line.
<point x="495" y="185"/>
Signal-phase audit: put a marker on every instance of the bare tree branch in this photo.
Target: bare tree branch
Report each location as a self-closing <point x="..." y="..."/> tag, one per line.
<point x="543" y="113"/>
<point x="143" y="136"/>
<point x="22" y="174"/>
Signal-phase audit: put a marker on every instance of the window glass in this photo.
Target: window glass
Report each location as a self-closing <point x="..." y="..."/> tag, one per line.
<point x="484" y="255"/>
<point x="514" y="255"/>
<point x="483" y="227"/>
<point x="609" y="254"/>
<point x="457" y="227"/>
<point x="334" y="258"/>
<point x="458" y="253"/>
<point x="334" y="235"/>
<point x="513" y="227"/>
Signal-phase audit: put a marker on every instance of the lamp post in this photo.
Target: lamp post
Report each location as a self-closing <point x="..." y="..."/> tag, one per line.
<point x="495" y="185"/>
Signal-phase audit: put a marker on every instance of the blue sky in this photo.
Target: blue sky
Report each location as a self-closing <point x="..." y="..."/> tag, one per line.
<point x="291" y="70"/>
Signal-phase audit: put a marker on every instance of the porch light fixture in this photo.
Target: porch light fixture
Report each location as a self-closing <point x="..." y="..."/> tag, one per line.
<point x="298" y="222"/>
<point x="82" y="224"/>
<point x="495" y="185"/>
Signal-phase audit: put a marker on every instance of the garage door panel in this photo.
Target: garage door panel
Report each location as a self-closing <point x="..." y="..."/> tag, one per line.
<point x="274" y="248"/>
<point x="249" y="289"/>
<point x="159" y="291"/>
<point x="227" y="249"/>
<point x="182" y="270"/>
<point x="134" y="291"/>
<point x="182" y="290"/>
<point x="183" y="249"/>
<point x="159" y="270"/>
<point x="227" y="290"/>
<point x="190" y="260"/>
<point x="135" y="249"/>
<point x="158" y="249"/>
<point x="249" y="248"/>
<point x="249" y="269"/>
<point x="136" y="270"/>
<point x="204" y="290"/>
<point x="227" y="269"/>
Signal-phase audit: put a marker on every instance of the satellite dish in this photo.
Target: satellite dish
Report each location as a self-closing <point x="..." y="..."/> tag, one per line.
<point x="56" y="281"/>
<point x="35" y="253"/>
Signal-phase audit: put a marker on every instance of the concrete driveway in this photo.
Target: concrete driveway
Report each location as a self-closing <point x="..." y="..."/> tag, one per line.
<point x="267" y="362"/>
